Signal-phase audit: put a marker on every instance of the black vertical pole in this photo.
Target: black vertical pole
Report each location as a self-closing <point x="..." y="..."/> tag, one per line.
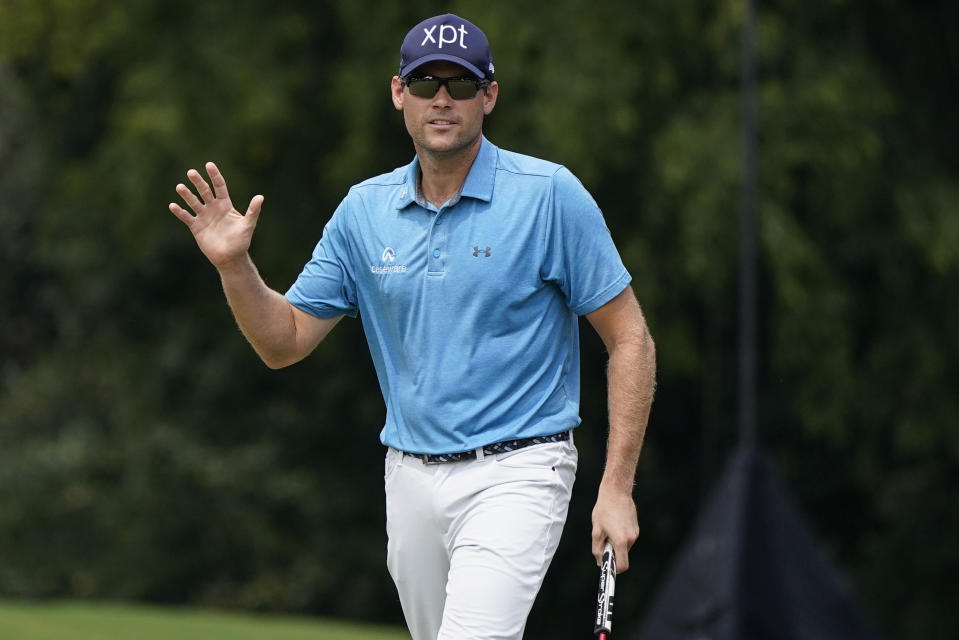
<point x="747" y="234"/>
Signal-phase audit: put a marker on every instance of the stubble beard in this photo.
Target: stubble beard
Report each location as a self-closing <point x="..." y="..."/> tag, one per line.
<point x="462" y="144"/>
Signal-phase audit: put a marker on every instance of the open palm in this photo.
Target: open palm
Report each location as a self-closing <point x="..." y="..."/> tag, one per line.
<point x="222" y="233"/>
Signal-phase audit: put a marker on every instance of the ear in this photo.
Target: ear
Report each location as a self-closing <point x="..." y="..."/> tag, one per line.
<point x="490" y="93"/>
<point x="396" y="90"/>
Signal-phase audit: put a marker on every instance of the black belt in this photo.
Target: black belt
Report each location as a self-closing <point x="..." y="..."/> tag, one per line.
<point x="490" y="449"/>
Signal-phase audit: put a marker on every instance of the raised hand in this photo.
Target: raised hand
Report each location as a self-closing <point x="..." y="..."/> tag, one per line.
<point x="222" y="233"/>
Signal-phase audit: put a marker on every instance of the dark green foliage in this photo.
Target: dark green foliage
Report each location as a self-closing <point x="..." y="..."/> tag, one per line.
<point x="146" y="453"/>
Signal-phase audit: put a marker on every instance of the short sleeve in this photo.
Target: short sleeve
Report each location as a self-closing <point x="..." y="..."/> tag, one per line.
<point x="326" y="288"/>
<point x="580" y="256"/>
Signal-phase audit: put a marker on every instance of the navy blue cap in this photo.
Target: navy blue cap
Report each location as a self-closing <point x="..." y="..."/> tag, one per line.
<point x="450" y="38"/>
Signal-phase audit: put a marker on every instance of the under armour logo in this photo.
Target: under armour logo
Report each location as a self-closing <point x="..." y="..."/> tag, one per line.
<point x="389" y="255"/>
<point x="477" y="251"/>
<point x="443" y="38"/>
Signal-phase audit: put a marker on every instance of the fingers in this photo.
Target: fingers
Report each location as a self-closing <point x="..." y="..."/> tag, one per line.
<point x="189" y="198"/>
<point x="219" y="183"/>
<point x="253" y="211"/>
<point x="200" y="205"/>
<point x="201" y="186"/>
<point x="622" y="556"/>
<point x="207" y="196"/>
<point x="614" y="519"/>
<point x="620" y="548"/>
<point x="599" y="541"/>
<point x="183" y="215"/>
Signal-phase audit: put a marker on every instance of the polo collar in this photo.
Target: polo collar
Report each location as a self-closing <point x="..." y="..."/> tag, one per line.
<point x="479" y="180"/>
<point x="478" y="183"/>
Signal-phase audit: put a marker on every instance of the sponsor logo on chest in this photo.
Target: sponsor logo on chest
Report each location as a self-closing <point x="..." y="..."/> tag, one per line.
<point x="386" y="266"/>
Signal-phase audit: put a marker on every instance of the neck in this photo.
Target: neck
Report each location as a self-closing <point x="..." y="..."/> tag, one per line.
<point x="443" y="174"/>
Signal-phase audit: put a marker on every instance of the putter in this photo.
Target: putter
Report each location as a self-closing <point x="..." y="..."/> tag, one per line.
<point x="603" y="627"/>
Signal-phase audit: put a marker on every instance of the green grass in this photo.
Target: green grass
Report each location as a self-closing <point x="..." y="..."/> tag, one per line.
<point x="97" y="621"/>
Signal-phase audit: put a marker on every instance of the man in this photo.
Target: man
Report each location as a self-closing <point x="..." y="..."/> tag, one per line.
<point x="468" y="268"/>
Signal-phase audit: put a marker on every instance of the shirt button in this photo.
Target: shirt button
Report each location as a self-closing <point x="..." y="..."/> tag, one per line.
<point x="439" y="221"/>
<point x="436" y="253"/>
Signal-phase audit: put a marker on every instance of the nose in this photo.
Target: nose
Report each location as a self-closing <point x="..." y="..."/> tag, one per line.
<point x="442" y="96"/>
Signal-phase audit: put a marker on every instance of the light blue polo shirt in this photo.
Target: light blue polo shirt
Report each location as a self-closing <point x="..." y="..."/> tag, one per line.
<point x="470" y="311"/>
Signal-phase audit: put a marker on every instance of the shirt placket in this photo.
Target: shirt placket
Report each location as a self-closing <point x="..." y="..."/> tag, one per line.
<point x="438" y="250"/>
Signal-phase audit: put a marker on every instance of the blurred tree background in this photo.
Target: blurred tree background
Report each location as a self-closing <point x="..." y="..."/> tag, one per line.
<point x="146" y="453"/>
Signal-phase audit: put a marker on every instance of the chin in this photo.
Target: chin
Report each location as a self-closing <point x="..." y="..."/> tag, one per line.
<point x="448" y="145"/>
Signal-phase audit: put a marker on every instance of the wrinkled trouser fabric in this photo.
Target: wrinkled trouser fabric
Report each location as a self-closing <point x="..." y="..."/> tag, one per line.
<point x="469" y="542"/>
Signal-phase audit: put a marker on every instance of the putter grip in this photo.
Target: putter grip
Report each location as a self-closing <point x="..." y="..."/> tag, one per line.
<point x="604" y="602"/>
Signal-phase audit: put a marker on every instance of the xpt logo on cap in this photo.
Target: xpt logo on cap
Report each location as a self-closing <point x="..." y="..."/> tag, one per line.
<point x="450" y="38"/>
<point x="443" y="35"/>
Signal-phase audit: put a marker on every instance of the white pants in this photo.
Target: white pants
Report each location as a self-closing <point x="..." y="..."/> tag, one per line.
<point x="470" y="542"/>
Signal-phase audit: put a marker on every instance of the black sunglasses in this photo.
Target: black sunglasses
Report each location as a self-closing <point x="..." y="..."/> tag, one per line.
<point x="459" y="88"/>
